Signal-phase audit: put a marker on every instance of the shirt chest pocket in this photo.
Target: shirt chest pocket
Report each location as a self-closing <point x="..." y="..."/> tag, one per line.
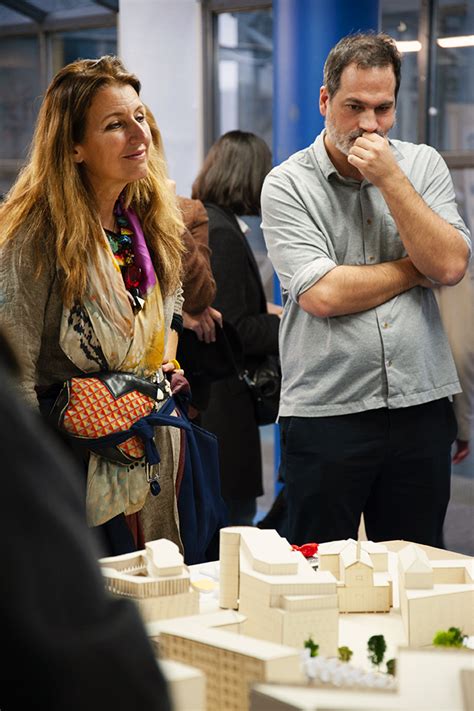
<point x="391" y="246"/>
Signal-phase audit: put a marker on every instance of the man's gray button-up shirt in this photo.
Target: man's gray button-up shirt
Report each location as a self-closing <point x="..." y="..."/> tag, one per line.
<point x="394" y="355"/>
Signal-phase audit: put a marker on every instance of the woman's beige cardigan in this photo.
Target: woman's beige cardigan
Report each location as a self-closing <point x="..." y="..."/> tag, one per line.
<point x="30" y="313"/>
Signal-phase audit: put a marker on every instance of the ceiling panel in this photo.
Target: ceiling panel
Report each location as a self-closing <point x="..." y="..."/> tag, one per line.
<point x="15" y="12"/>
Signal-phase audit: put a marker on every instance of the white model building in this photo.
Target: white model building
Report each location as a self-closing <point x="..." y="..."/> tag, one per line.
<point x="156" y="578"/>
<point x="329" y="554"/>
<point x="282" y="598"/>
<point x="434" y="595"/>
<point x="360" y="586"/>
<point x="275" y="601"/>
<point x="428" y="680"/>
<point x="230" y="662"/>
<point x="416" y="571"/>
<point x="186" y="685"/>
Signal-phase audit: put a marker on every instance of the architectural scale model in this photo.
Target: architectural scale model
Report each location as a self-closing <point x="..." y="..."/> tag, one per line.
<point x="230" y="662"/>
<point x="325" y="671"/>
<point x="282" y="598"/>
<point x="361" y="569"/>
<point x="228" y="620"/>
<point x="427" y="680"/>
<point x="273" y="601"/>
<point x="329" y="553"/>
<point x="434" y="595"/>
<point x="156" y="578"/>
<point x="186" y="685"/>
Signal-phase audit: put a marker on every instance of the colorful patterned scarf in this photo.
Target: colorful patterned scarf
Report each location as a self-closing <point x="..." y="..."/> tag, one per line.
<point x="104" y="333"/>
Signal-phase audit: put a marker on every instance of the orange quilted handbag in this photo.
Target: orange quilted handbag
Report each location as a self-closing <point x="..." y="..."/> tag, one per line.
<point x="95" y="409"/>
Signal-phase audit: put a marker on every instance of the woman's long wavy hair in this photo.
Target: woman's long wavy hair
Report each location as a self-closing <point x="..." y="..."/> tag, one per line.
<point x="52" y="203"/>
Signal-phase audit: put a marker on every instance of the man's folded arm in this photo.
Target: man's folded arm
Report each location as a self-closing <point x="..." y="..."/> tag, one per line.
<point x="348" y="289"/>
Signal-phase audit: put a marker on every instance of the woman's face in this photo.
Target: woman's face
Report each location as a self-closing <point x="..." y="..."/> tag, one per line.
<point x="114" y="150"/>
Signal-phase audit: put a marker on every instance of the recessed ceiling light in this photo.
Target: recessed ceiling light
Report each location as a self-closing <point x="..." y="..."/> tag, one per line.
<point x="461" y="41"/>
<point x="444" y="42"/>
<point x="408" y="46"/>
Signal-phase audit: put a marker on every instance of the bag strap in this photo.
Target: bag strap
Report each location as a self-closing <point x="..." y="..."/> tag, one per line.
<point x="241" y="373"/>
<point x="144" y="429"/>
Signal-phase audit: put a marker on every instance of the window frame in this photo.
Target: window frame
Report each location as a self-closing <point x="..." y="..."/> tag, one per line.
<point x="210" y="11"/>
<point x="425" y="59"/>
<point x="44" y="32"/>
<point x="426" y="80"/>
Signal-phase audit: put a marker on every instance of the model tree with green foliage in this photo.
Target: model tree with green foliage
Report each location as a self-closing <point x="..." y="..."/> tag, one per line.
<point x="376" y="646"/>
<point x="449" y="638"/>
<point x="313" y="648"/>
<point x="345" y="654"/>
<point x="391" y="666"/>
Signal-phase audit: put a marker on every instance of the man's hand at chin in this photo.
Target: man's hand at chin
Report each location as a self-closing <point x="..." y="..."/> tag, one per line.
<point x="372" y="156"/>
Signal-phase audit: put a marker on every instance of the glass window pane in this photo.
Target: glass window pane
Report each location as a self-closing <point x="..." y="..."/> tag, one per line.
<point x="244" y="89"/>
<point x="84" y="44"/>
<point x="245" y="72"/>
<point x="11" y="17"/>
<point x="19" y="102"/>
<point x="55" y="10"/>
<point x="452" y="102"/>
<point x="400" y="20"/>
<point x="244" y="98"/>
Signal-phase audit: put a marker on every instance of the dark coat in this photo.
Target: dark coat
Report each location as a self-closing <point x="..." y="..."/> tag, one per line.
<point x="241" y="299"/>
<point x="69" y="644"/>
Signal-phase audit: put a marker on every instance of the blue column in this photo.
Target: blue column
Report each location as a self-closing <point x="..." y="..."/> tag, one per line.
<point x="303" y="33"/>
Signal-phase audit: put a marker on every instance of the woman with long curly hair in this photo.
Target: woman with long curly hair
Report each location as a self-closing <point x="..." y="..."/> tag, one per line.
<point x="90" y="267"/>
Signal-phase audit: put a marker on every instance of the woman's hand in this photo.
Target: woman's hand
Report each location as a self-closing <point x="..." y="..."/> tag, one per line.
<point x="204" y="324"/>
<point x="172" y="366"/>
<point x="274" y="309"/>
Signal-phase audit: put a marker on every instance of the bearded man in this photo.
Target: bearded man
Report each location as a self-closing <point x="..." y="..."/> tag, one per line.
<point x="360" y="229"/>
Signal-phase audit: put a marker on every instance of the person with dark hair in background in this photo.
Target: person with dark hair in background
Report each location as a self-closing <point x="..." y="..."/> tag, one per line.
<point x="200" y="506"/>
<point x="359" y="230"/>
<point x="199" y="286"/>
<point x="229" y="185"/>
<point x="67" y="643"/>
<point x="200" y="319"/>
<point x="90" y="270"/>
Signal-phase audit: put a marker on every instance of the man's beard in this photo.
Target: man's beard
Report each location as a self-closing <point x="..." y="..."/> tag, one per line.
<point x="344" y="141"/>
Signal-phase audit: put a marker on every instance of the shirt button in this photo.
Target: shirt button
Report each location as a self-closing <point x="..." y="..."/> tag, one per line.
<point x="389" y="363"/>
<point x="385" y="325"/>
<point x="371" y="259"/>
<point x="369" y="221"/>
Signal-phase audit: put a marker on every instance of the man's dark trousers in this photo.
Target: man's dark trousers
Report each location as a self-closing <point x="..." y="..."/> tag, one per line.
<point x="394" y="466"/>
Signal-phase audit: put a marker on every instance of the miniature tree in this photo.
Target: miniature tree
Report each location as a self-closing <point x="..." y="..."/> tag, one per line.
<point x="376" y="647"/>
<point x="391" y="666"/>
<point x="449" y="638"/>
<point x="313" y="648"/>
<point x="345" y="654"/>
